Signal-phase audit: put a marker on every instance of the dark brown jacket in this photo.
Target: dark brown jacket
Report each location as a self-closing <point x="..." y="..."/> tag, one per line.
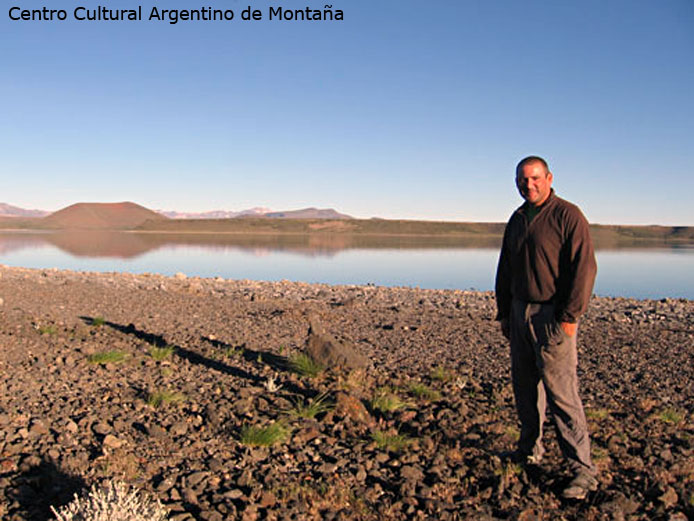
<point x="550" y="259"/>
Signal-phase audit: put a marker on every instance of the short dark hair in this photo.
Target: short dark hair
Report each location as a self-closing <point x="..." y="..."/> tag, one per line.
<point x="529" y="160"/>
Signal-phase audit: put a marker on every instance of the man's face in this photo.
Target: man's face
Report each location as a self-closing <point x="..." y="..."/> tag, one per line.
<point x="534" y="183"/>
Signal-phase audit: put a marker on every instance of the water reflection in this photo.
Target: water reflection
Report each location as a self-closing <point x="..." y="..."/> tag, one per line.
<point x="427" y="262"/>
<point x="126" y="245"/>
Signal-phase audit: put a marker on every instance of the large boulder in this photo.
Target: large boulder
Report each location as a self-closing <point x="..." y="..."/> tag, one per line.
<point x="329" y="352"/>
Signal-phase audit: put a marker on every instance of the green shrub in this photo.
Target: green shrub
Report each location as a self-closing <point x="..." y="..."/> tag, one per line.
<point x="232" y="351"/>
<point x="424" y="392"/>
<point x="161" y="353"/>
<point x="303" y="365"/>
<point x="597" y="414"/>
<point x="47" y="330"/>
<point x="311" y="408"/>
<point x="107" y="357"/>
<point x="441" y="374"/>
<point x="98" y="321"/>
<point x="671" y="415"/>
<point x="386" y="401"/>
<point x="390" y="441"/>
<point x="159" y="398"/>
<point x="257" y="436"/>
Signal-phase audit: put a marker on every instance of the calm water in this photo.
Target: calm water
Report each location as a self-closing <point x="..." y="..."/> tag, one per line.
<point x="640" y="273"/>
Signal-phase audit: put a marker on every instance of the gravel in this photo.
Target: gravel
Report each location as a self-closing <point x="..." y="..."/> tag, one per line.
<point x="68" y="422"/>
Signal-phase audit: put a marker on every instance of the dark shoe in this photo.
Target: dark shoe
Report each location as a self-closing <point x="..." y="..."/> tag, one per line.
<point x="579" y="487"/>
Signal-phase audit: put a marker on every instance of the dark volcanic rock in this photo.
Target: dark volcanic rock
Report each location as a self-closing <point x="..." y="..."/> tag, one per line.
<point x="416" y="432"/>
<point x="329" y="352"/>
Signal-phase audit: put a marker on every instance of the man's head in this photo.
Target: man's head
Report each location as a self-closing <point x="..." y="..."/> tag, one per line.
<point x="533" y="180"/>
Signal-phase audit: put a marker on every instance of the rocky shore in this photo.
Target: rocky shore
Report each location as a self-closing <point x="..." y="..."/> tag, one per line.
<point x="170" y="384"/>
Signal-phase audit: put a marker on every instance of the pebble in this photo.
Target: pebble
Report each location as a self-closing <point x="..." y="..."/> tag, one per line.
<point x="189" y="454"/>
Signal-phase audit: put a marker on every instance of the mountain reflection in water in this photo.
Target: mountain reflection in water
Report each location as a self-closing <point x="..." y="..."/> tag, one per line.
<point x="127" y="245"/>
<point x="641" y="269"/>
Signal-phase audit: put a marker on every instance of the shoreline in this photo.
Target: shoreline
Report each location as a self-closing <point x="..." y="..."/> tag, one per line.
<point x="201" y="279"/>
<point x="66" y="422"/>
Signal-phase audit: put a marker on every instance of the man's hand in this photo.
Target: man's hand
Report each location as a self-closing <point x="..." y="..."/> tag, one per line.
<point x="505" y="328"/>
<point x="569" y="327"/>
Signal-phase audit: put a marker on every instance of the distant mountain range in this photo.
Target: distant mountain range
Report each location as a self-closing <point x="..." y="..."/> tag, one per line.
<point x="100" y="216"/>
<point x="215" y="214"/>
<point x="128" y="215"/>
<point x="7" y="210"/>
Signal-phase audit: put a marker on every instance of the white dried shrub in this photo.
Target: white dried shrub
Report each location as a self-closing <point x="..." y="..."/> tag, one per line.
<point x="112" y="501"/>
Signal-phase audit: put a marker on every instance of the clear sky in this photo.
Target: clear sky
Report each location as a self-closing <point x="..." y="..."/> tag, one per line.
<point x="406" y="109"/>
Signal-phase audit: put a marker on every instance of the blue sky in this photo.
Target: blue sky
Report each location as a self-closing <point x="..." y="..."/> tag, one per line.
<point x="403" y="110"/>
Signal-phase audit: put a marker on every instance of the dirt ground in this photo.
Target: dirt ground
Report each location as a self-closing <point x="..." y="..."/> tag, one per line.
<point x="159" y="381"/>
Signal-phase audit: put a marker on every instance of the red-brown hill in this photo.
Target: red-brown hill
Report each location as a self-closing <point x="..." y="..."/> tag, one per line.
<point x="101" y="216"/>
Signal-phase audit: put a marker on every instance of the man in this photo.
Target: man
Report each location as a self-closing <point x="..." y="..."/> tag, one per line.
<point x="543" y="283"/>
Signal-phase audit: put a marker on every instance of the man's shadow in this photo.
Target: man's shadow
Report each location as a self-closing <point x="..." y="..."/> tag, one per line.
<point x="38" y="488"/>
<point x="186" y="354"/>
<point x="276" y="362"/>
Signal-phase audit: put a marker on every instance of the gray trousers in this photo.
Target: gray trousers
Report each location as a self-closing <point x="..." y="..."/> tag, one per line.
<point x="543" y="370"/>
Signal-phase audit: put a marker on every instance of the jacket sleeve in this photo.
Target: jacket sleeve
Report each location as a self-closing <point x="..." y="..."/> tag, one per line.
<point x="582" y="270"/>
<point x="502" y="285"/>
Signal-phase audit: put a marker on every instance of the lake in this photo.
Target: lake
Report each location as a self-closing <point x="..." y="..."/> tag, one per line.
<point x="444" y="263"/>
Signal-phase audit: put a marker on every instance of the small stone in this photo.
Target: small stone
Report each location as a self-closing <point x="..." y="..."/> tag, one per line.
<point x="180" y="276"/>
<point x="246" y="479"/>
<point x="351" y="407"/>
<point x="112" y="442"/>
<point x="411" y="473"/>
<point x="195" y="478"/>
<point x="268" y="499"/>
<point x="234" y="493"/>
<point x="669" y="498"/>
<point x="157" y="432"/>
<point x="190" y="496"/>
<point x="71" y="427"/>
<point x="179" y="428"/>
<point x="166" y="484"/>
<point x="101" y="428"/>
<point x="306" y="435"/>
<point x="29" y="463"/>
<point x="38" y="428"/>
<point x="327" y="468"/>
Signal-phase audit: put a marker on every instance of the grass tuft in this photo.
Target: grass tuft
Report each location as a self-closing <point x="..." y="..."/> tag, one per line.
<point x="441" y="374"/>
<point x="311" y="408"/>
<point x="107" y="357"/>
<point x="98" y="321"/>
<point x="303" y="365"/>
<point x="389" y="441"/>
<point x="386" y="401"/>
<point x="159" y="398"/>
<point x="671" y="415"/>
<point x="232" y="352"/>
<point x="47" y="330"/>
<point x="161" y="353"/>
<point x="423" y="392"/>
<point x="597" y="414"/>
<point x="257" y="436"/>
